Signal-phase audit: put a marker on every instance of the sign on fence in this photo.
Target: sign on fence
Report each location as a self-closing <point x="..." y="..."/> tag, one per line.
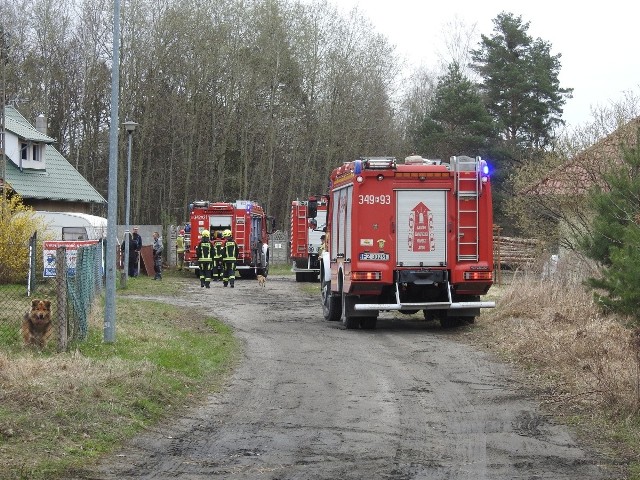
<point x="49" y="255"/>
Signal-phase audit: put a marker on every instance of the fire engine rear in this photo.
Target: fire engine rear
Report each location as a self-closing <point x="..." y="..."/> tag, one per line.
<point x="249" y="225"/>
<point x="308" y="224"/>
<point x="408" y="237"/>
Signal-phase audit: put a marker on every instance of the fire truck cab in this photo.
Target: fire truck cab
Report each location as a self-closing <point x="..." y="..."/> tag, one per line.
<point x="249" y="225"/>
<point x="407" y="237"/>
<point x="308" y="225"/>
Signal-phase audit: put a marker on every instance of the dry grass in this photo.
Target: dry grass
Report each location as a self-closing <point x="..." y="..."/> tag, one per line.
<point x="585" y="363"/>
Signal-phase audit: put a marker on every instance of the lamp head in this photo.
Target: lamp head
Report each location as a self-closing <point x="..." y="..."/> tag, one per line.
<point x="130" y="126"/>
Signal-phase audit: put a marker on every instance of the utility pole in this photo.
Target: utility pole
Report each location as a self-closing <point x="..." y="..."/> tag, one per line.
<point x="112" y="197"/>
<point x="4" y="58"/>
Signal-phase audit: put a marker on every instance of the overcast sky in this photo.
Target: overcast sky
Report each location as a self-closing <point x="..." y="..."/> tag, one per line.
<point x="597" y="41"/>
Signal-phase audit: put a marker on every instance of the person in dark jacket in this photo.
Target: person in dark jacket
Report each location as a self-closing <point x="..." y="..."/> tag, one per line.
<point x="204" y="252"/>
<point x="157" y="255"/>
<point x="138" y="243"/>
<point x="218" y="244"/>
<point x="229" y="257"/>
<point x="132" y="261"/>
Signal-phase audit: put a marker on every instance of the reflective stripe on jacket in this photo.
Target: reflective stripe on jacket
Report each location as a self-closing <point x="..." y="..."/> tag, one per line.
<point x="203" y="250"/>
<point x="230" y="250"/>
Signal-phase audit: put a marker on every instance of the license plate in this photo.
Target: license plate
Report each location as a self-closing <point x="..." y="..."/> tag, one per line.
<point x="374" y="256"/>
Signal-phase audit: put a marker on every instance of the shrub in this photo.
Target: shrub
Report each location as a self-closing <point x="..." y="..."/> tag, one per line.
<point x="18" y="222"/>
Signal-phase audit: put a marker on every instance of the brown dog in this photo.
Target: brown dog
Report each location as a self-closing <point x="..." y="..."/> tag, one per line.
<point x="262" y="280"/>
<point x="36" y="325"/>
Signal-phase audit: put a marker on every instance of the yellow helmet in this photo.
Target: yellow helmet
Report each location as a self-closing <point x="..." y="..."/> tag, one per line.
<point x="226" y="233"/>
<point x="205" y="233"/>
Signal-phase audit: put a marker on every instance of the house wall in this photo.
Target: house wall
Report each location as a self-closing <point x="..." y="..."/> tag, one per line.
<point x="60" y="206"/>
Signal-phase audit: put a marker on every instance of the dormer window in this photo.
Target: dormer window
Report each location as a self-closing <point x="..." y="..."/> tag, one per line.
<point x="31" y="154"/>
<point x="26" y="146"/>
<point x="31" y="151"/>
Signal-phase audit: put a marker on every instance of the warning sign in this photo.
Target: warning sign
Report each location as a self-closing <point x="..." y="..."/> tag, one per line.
<point x="49" y="254"/>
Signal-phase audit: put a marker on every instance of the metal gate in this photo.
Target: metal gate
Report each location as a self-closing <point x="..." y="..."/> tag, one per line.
<point x="279" y="247"/>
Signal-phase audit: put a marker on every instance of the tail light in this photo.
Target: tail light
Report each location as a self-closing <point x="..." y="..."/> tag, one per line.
<point x="366" y="276"/>
<point x="478" y="275"/>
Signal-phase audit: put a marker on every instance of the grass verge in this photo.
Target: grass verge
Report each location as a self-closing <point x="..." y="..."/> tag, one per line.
<point x="585" y="364"/>
<point x="72" y="407"/>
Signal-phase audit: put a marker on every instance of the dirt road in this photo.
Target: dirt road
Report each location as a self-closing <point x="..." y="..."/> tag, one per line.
<point x="313" y="401"/>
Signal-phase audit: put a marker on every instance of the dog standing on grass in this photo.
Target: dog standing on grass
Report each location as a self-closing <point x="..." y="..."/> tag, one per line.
<point x="262" y="280"/>
<point x="36" y="325"/>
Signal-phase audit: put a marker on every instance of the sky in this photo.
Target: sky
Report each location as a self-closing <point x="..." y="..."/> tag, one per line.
<point x="596" y="41"/>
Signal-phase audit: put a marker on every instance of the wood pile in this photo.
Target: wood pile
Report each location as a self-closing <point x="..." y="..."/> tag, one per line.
<point x="513" y="253"/>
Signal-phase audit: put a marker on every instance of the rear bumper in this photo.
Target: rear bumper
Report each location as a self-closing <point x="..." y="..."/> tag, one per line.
<point x="424" y="306"/>
<point x="447" y="305"/>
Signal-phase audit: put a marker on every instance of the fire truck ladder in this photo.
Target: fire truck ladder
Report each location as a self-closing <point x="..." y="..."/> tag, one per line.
<point x="301" y="232"/>
<point x="467" y="189"/>
<point x="238" y="234"/>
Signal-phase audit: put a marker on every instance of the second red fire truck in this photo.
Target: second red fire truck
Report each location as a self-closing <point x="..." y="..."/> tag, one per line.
<point x="249" y="225"/>
<point x="308" y="225"/>
<point x="407" y="237"/>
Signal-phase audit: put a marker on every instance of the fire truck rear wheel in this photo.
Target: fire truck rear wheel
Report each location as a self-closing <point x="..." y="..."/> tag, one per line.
<point x="331" y="308"/>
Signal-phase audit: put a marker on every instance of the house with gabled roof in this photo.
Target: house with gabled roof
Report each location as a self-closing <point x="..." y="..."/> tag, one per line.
<point x="36" y="171"/>
<point x="586" y="169"/>
<point x="562" y="193"/>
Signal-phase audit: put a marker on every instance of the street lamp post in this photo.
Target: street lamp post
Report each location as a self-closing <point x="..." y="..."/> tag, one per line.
<point x="130" y="127"/>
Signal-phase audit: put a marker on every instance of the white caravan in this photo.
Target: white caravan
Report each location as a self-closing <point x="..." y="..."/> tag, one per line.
<point x="73" y="226"/>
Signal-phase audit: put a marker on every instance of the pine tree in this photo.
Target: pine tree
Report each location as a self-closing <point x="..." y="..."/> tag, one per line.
<point x="521" y="83"/>
<point x="614" y="242"/>
<point x="457" y="122"/>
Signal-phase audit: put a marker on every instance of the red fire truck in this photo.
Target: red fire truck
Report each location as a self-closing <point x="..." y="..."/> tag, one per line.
<point x="407" y="237"/>
<point x="249" y="225"/>
<point x="308" y="223"/>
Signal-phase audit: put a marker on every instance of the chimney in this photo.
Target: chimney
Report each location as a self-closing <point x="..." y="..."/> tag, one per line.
<point x="41" y="124"/>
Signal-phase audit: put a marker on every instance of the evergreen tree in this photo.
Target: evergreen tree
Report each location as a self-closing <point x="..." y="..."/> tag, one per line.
<point x="615" y="238"/>
<point x="457" y="122"/>
<point x="521" y="84"/>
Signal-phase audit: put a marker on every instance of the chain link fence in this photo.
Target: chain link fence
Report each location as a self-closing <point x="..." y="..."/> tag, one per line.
<point x="36" y="275"/>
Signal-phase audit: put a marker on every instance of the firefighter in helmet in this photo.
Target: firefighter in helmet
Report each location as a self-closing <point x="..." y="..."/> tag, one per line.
<point x="204" y="251"/>
<point x="218" y="245"/>
<point x="229" y="257"/>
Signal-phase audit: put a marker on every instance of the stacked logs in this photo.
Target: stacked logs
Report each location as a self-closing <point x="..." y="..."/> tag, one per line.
<point x="513" y="253"/>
